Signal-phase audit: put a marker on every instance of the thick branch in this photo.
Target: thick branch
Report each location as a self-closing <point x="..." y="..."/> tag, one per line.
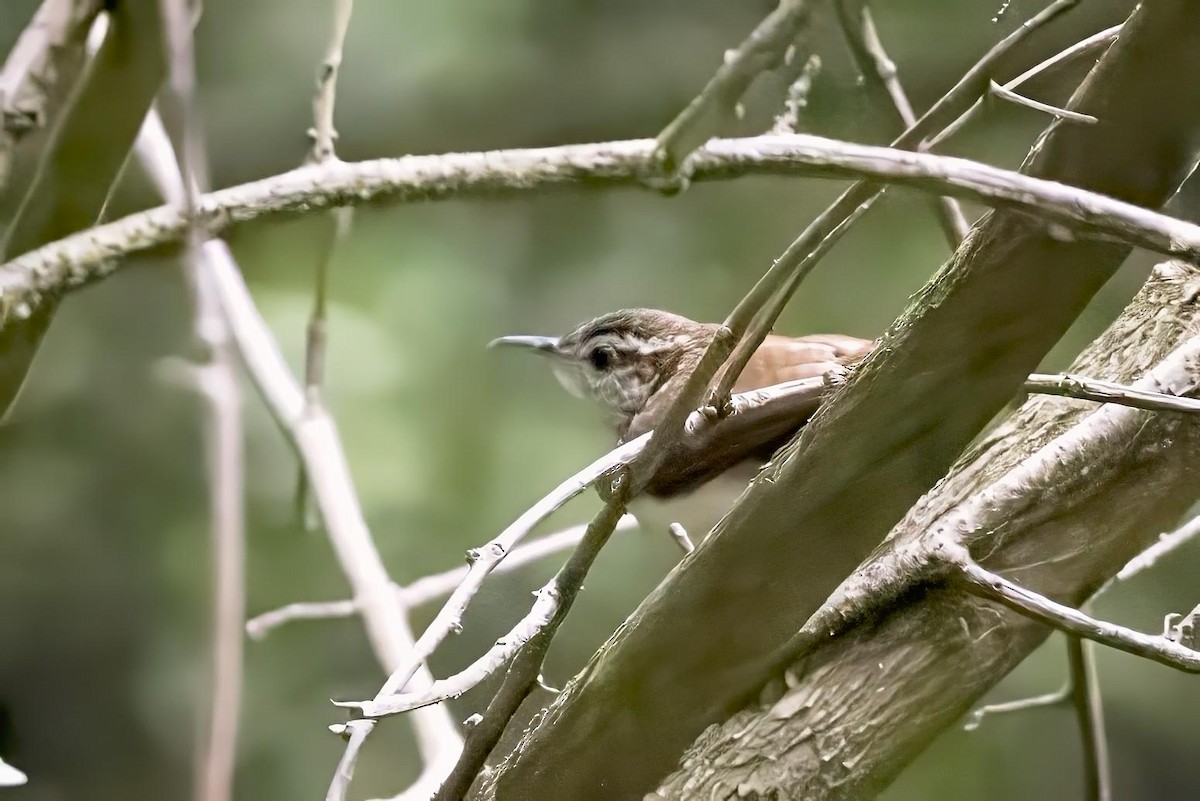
<point x="30" y="279"/>
<point x="1061" y="534"/>
<point x="700" y="645"/>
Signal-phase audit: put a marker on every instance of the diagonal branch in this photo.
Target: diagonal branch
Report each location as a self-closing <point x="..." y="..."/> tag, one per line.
<point x="858" y="26"/>
<point x="766" y="46"/>
<point x="988" y="584"/>
<point x="699" y="646"/>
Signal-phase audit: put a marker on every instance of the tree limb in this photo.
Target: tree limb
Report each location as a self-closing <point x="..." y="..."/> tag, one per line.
<point x="1061" y="533"/>
<point x="39" y="275"/>
<point x="700" y="645"/>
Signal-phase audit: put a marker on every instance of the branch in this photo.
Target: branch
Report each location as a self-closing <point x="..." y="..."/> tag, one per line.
<point x="1054" y="111"/>
<point x="766" y="46"/>
<point x="313" y="432"/>
<point x="527" y="663"/>
<point x="823" y="233"/>
<point x="858" y="26"/>
<point x="950" y="363"/>
<point x="60" y="192"/>
<point x="355" y="733"/>
<point x="1089" y="714"/>
<point x="324" y="135"/>
<point x="427" y="589"/>
<point x="1073" y="386"/>
<point x="1165" y="544"/>
<point x="1052" y="477"/>
<point x="216" y="380"/>
<point x="485" y="559"/>
<point x="76" y="260"/>
<point x="988" y="584"/>
<point x="1091" y="44"/>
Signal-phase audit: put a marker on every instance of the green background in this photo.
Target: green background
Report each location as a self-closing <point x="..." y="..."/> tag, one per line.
<point x="104" y="556"/>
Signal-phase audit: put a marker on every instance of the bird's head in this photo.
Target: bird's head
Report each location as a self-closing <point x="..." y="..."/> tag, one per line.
<point x="619" y="360"/>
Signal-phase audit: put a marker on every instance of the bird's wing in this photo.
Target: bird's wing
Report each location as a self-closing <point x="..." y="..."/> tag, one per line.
<point x="781" y="358"/>
<point x="760" y="427"/>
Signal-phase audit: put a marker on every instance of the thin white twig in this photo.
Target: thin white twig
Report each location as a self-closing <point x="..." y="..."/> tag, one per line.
<point x="1091" y="44"/>
<point x="1054" y="111"/>
<point x="355" y="732"/>
<point x="427" y="588"/>
<point x="324" y="135"/>
<point x="1057" y="698"/>
<point x="1166" y="544"/>
<point x="492" y="660"/>
<point x="260" y="626"/>
<point x="484" y="560"/>
<point x="1073" y="386"/>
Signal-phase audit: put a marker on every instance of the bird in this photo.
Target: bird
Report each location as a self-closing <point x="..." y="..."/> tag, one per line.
<point x="633" y="363"/>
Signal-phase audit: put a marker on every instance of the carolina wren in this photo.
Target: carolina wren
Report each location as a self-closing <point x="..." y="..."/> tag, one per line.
<point x="634" y="362"/>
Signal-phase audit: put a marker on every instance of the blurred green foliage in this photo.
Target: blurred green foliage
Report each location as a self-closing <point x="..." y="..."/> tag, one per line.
<point x="104" y="558"/>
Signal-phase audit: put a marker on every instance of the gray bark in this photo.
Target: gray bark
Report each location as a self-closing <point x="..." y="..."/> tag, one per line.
<point x="707" y="639"/>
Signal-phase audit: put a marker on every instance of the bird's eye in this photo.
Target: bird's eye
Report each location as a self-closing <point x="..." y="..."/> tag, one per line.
<point x="601" y="357"/>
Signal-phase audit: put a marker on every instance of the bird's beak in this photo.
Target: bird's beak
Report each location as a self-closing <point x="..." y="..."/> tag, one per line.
<point x="547" y="346"/>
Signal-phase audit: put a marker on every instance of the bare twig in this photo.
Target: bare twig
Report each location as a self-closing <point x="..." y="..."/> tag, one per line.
<point x="987" y="584"/>
<point x="428" y="588"/>
<point x="1082" y="694"/>
<point x="217" y="382"/>
<point x="766" y="46"/>
<point x="486" y="558"/>
<point x="1165" y="545"/>
<point x="647" y="449"/>
<point x="538" y="617"/>
<point x="1054" y="111"/>
<point x="314" y="434"/>
<point x="259" y="626"/>
<point x="1056" y="698"/>
<point x="324" y="135"/>
<point x="1091" y="44"/>
<point x="822" y="233"/>
<point x="1089" y="714"/>
<point x="355" y="733"/>
<point x="1073" y="386"/>
<point x="526" y="666"/>
<point x="858" y="26"/>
